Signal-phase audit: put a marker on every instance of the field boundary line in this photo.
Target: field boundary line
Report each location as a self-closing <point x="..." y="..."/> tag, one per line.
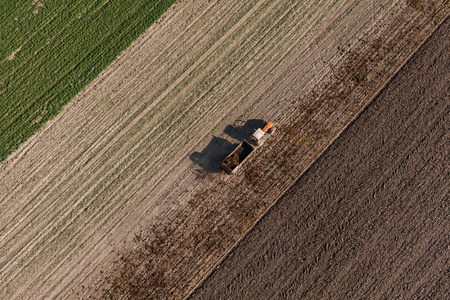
<point x="142" y="114"/>
<point x="363" y="108"/>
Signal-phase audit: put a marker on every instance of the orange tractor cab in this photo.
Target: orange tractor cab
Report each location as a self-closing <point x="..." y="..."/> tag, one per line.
<point x="258" y="135"/>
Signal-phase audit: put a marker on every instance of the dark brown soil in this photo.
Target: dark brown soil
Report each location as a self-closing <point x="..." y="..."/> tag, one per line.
<point x="370" y="219"/>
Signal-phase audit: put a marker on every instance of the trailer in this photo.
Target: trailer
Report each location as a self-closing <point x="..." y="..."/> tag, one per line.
<point x="232" y="162"/>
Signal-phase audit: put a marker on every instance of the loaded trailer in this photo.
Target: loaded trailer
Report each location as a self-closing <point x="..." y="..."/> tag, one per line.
<point x="231" y="163"/>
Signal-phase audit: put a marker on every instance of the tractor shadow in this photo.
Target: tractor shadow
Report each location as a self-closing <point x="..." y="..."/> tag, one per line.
<point x="218" y="148"/>
<point x="241" y="130"/>
<point x="213" y="154"/>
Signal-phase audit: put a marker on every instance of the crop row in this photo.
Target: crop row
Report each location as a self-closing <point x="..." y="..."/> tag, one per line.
<point x="52" y="50"/>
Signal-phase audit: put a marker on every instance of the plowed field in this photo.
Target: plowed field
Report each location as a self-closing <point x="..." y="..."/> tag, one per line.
<point x="120" y="194"/>
<point x="370" y="219"/>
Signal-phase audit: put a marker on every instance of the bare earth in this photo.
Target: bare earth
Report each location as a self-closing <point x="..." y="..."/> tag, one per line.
<point x="370" y="219"/>
<point x="120" y="195"/>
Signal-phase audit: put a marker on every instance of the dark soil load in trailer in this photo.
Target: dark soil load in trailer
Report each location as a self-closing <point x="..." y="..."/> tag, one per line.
<point x="231" y="162"/>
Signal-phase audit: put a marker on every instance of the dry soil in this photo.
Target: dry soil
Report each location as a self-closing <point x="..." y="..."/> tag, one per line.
<point x="370" y="219"/>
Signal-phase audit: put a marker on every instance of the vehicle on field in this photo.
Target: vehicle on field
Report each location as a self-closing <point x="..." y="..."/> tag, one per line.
<point x="259" y="135"/>
<point x="236" y="158"/>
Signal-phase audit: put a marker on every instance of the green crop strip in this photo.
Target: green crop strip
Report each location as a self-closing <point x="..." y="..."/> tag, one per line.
<point x="50" y="50"/>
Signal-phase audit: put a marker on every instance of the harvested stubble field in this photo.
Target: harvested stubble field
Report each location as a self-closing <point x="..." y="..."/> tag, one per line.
<point x="371" y="218"/>
<point x="105" y="200"/>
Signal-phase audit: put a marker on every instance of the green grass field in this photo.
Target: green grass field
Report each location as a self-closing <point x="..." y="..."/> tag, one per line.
<point x="50" y="50"/>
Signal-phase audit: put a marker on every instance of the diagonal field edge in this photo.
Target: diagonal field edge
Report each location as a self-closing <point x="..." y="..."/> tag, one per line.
<point x="364" y="107"/>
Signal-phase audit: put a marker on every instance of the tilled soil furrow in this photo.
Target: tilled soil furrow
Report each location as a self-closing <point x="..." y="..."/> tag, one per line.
<point x="237" y="193"/>
<point x="361" y="222"/>
<point x="124" y="171"/>
<point x="135" y="146"/>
